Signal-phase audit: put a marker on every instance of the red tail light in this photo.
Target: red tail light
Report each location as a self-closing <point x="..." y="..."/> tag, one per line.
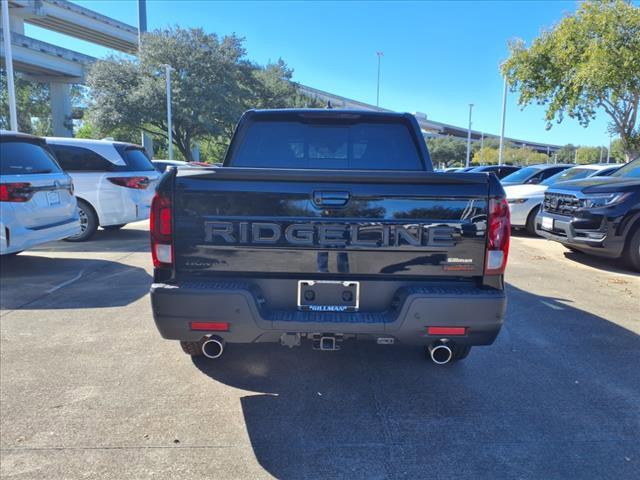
<point x="210" y="326"/>
<point x="499" y="231"/>
<point x="139" y="183"/>
<point x="15" y="192"/>
<point x="449" y="331"/>
<point x="161" y="230"/>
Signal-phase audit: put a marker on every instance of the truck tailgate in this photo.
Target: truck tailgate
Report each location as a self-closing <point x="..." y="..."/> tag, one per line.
<point x="322" y="223"/>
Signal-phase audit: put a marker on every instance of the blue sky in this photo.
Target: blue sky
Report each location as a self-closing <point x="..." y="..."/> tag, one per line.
<point x="438" y="56"/>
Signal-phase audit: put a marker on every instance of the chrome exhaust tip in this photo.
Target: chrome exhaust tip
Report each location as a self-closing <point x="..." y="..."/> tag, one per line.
<point x="213" y="347"/>
<point x="440" y="352"/>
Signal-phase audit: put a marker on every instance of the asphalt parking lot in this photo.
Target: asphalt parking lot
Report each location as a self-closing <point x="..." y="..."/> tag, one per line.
<point x="90" y="390"/>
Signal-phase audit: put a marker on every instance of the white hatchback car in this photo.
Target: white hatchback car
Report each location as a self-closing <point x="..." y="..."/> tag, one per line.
<point x="114" y="181"/>
<point x="36" y="197"/>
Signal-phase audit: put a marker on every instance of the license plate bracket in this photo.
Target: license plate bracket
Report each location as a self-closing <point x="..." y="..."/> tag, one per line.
<point x="53" y="197"/>
<point x="328" y="296"/>
<point x="547" y="223"/>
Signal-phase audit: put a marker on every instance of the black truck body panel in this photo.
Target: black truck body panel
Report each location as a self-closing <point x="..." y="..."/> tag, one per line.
<point x="243" y="240"/>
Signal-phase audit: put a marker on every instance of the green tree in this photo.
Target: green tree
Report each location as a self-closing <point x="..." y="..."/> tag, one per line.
<point x="211" y="85"/>
<point x="589" y="61"/>
<point x="447" y="151"/>
<point x="32" y="102"/>
<point x="566" y="154"/>
<point x="587" y="155"/>
<point x="617" y="151"/>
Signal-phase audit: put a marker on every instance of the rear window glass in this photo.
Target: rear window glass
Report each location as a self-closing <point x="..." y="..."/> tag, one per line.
<point x="137" y="160"/>
<point x="362" y="146"/>
<point x="20" y="158"/>
<point x="79" y="159"/>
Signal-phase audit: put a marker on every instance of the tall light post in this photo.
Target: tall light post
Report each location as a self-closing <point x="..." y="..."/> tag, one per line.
<point x="8" y="60"/>
<point x="167" y="70"/>
<point x="380" y="55"/>
<point x="504" y="114"/>
<point x="482" y="149"/>
<point x="609" y="151"/>
<point x="146" y="141"/>
<point x="469" y="136"/>
<point x="142" y="20"/>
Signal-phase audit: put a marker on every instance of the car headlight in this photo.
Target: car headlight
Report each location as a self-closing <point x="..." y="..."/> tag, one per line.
<point x="516" y="200"/>
<point x="603" y="199"/>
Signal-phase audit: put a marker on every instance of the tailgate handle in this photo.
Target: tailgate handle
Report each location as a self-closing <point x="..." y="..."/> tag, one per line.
<point x="331" y="199"/>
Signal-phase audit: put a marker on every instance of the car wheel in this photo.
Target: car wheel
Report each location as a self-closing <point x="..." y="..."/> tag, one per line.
<point x="531" y="221"/>
<point x="192" y="348"/>
<point x="88" y="223"/>
<point x="113" y="227"/>
<point x="632" y="254"/>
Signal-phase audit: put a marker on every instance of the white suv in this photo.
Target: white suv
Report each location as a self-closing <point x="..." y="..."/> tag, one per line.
<point x="36" y="197"/>
<point x="114" y="182"/>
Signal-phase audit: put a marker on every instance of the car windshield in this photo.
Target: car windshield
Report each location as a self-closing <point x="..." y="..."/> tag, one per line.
<point x="521" y="175"/>
<point x="631" y="169"/>
<point x="575" y="173"/>
<point x="20" y="158"/>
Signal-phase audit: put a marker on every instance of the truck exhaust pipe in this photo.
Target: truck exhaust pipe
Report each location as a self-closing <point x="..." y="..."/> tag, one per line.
<point x="213" y="347"/>
<point x="440" y="352"/>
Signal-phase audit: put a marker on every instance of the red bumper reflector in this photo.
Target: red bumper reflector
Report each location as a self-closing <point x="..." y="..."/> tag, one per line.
<point x="446" y="330"/>
<point x="210" y="326"/>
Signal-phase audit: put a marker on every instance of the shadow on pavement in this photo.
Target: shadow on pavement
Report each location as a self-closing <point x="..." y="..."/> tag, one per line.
<point x="613" y="265"/>
<point x="125" y="240"/>
<point x="555" y="397"/>
<point x="35" y="282"/>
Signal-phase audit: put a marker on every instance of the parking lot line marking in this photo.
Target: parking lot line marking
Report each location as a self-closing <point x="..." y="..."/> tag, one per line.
<point x="551" y="305"/>
<point x="64" y="284"/>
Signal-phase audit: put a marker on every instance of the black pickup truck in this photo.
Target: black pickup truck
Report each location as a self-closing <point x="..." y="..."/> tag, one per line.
<point x="324" y="226"/>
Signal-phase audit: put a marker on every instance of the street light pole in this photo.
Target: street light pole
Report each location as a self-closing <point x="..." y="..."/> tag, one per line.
<point x="142" y="20"/>
<point x="504" y="114"/>
<point x="609" y="151"/>
<point x="379" y="54"/>
<point x="469" y="136"/>
<point x="482" y="149"/>
<point x="8" y="60"/>
<point x="169" y="126"/>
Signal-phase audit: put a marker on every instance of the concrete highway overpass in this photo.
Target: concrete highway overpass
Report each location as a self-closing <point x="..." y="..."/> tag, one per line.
<point x="60" y="67"/>
<point x="429" y="127"/>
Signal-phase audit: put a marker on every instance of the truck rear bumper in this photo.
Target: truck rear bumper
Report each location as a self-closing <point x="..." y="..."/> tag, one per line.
<point x="480" y="311"/>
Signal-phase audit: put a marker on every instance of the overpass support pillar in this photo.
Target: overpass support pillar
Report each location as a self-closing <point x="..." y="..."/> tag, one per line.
<point x="61" y="109"/>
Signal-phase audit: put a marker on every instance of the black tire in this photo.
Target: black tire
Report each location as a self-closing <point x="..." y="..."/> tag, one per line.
<point x="192" y="348"/>
<point x="531" y="221"/>
<point x="88" y="223"/>
<point x="113" y="227"/>
<point x="632" y="251"/>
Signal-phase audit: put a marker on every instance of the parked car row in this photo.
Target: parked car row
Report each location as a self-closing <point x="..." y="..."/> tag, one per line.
<point x="65" y="188"/>
<point x="588" y="208"/>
